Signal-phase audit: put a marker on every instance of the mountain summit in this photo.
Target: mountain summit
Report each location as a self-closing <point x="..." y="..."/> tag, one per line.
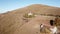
<point x="38" y="9"/>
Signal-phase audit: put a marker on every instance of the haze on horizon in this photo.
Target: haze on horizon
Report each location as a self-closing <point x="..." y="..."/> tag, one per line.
<point x="8" y="5"/>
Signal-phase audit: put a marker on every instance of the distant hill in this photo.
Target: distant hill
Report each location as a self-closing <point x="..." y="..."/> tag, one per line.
<point x="39" y="9"/>
<point x="11" y="22"/>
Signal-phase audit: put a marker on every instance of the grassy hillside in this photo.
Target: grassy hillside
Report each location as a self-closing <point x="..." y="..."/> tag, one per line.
<point x="11" y="22"/>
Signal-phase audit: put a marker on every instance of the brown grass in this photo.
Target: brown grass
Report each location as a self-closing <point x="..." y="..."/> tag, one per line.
<point x="14" y="23"/>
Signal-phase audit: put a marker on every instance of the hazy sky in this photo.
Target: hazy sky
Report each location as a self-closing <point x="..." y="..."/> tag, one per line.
<point x="6" y="5"/>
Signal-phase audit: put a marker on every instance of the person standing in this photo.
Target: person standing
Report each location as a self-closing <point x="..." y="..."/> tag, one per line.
<point x="53" y="27"/>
